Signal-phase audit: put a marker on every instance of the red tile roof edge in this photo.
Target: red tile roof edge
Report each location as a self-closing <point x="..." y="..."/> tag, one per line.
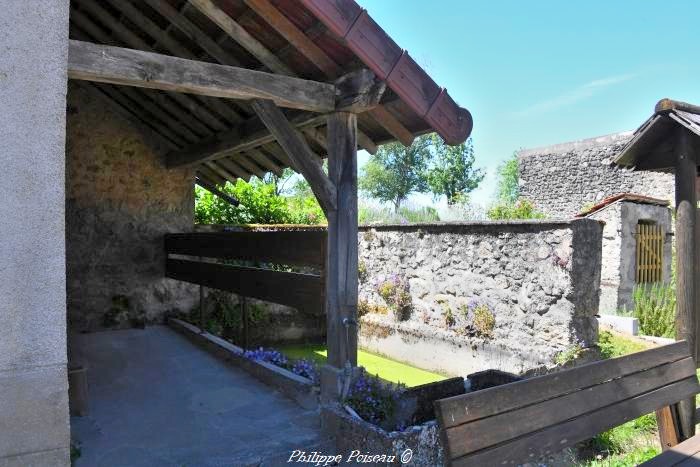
<point x="624" y="197"/>
<point x="353" y="25"/>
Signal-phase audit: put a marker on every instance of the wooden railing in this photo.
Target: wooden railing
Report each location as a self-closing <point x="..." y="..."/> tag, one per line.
<point x="199" y="261"/>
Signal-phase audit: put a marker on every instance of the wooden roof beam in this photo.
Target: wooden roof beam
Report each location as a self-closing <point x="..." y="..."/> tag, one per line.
<point x="116" y="65"/>
<point x="304" y="159"/>
<point x="211" y="187"/>
<point x="241" y="36"/>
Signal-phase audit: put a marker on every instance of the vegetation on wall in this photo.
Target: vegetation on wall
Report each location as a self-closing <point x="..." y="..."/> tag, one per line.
<point x="260" y="203"/>
<point x="509" y="204"/>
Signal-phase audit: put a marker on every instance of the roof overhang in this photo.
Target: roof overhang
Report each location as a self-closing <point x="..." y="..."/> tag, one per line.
<point x="651" y="146"/>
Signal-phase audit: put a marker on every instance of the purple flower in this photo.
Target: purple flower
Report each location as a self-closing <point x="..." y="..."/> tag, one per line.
<point x="270" y="355"/>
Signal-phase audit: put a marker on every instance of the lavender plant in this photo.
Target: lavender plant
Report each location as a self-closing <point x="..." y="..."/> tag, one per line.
<point x="373" y="400"/>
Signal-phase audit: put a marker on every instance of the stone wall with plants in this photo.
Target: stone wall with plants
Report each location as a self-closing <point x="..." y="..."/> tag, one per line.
<point x="465" y="297"/>
<point x="564" y="179"/>
<point x="120" y="200"/>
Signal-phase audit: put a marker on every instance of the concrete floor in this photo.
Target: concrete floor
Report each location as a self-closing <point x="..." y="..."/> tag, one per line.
<point x="157" y="400"/>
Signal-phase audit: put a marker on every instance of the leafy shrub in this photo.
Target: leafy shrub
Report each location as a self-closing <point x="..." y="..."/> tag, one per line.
<point x="373" y="400"/>
<point x="364" y="307"/>
<point x="448" y="316"/>
<point x="522" y="209"/>
<point x="655" y="308"/>
<point x="396" y="293"/>
<point x="569" y="355"/>
<point x="484" y="320"/>
<point x="615" y="345"/>
<point x="362" y="271"/>
<point x="259" y="204"/>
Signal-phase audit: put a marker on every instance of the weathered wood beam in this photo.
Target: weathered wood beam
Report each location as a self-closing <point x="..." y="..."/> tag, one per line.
<point x="234" y="168"/>
<point x="201" y="181"/>
<point x="247" y="164"/>
<point x="297" y="149"/>
<point x="211" y="175"/>
<point x="268" y="12"/>
<point x="127" y="37"/>
<point x="223" y="173"/>
<point x="241" y="36"/>
<point x="686" y="209"/>
<point x="341" y="265"/>
<point x="264" y="161"/>
<point x="116" y="65"/>
<point x="250" y="135"/>
<point x="323" y="62"/>
<point x="392" y="125"/>
<point x="358" y="91"/>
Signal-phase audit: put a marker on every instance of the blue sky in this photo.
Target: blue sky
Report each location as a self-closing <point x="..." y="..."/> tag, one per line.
<point x="534" y="73"/>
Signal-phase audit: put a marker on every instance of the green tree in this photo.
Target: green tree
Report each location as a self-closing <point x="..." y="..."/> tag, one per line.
<point x="396" y="171"/>
<point x="452" y="171"/>
<point x="508" y="189"/>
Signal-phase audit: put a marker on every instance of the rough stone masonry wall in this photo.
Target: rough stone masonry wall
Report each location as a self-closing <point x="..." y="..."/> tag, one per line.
<point x="120" y="200"/>
<point x="538" y="279"/>
<point x="563" y="179"/>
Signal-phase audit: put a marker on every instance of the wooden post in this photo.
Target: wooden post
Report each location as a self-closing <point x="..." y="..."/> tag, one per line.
<point x="244" y="322"/>
<point x="686" y="207"/>
<point x="668" y="432"/>
<point x="341" y="263"/>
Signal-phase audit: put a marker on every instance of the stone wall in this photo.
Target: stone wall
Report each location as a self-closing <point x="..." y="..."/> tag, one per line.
<point x="34" y="428"/>
<point x="538" y="281"/>
<point x="618" y="274"/>
<point x="563" y="179"/>
<point x="120" y="200"/>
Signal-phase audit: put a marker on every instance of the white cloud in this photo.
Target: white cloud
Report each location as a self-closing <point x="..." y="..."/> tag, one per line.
<point x="575" y="95"/>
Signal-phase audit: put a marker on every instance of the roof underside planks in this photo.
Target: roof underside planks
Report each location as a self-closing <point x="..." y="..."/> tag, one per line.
<point x="652" y="145"/>
<point x="293" y="38"/>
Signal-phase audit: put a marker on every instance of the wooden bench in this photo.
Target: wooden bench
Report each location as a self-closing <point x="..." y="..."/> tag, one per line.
<point x="523" y="421"/>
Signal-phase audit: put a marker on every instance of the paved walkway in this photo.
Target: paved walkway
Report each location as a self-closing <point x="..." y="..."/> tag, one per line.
<point x="158" y="400"/>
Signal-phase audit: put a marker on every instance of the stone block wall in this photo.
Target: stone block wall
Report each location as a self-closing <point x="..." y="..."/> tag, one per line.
<point x="618" y="274"/>
<point x="563" y="179"/>
<point x="537" y="280"/>
<point x="120" y="200"/>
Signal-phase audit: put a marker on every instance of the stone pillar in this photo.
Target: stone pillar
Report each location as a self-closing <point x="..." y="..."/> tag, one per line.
<point x="34" y="424"/>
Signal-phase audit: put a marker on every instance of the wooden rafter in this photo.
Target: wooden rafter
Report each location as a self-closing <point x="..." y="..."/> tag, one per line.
<point x="241" y="36"/>
<point x="128" y="38"/>
<point x="323" y="62"/>
<point x="116" y="65"/>
<point x="298" y="151"/>
<point x="210" y="187"/>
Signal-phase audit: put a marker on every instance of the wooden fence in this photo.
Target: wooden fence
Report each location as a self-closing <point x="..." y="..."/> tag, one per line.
<point x="302" y="291"/>
<point x="650" y="253"/>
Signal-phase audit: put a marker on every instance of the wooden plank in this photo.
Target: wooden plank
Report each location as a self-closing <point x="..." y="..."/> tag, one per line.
<point x="211" y="175"/>
<point x="165" y="40"/>
<point x="300" y="291"/>
<point x="250" y="135"/>
<point x="248" y="165"/>
<point x="296" y="147"/>
<point x="130" y="114"/>
<point x="193" y="32"/>
<point x="557" y="437"/>
<point x="490" y="431"/>
<point x="392" y="125"/>
<point x="292" y="247"/>
<point x="676" y="454"/>
<point x="268" y="12"/>
<point x="94" y="62"/>
<point x="667" y="422"/>
<point x="686" y="207"/>
<point x="264" y="161"/>
<point x="457" y="410"/>
<point x="234" y="168"/>
<point x="210" y="187"/>
<point x="341" y="274"/>
<point x="241" y="36"/>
